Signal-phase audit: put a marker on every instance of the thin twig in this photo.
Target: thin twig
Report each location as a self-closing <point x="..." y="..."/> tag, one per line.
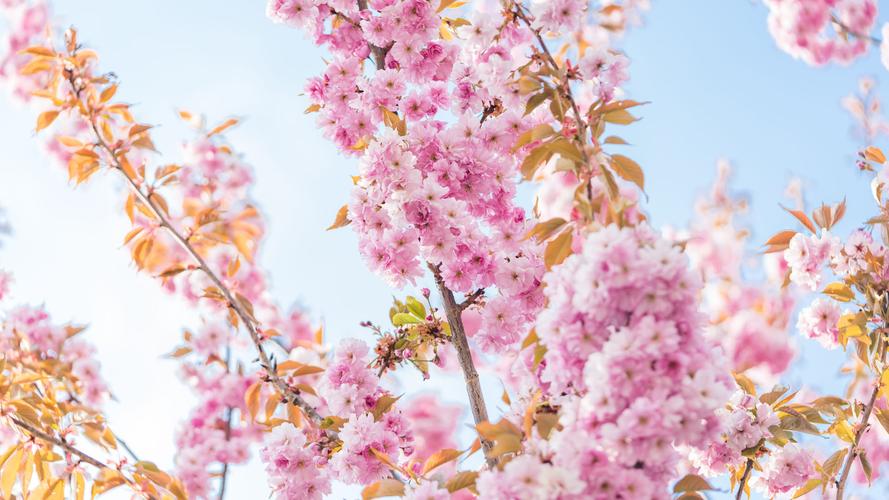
<point x="853" y="448"/>
<point x="228" y="425"/>
<point x="580" y="133"/>
<point x="748" y="467"/>
<point x="126" y="447"/>
<point x="472" y="298"/>
<point x="464" y="355"/>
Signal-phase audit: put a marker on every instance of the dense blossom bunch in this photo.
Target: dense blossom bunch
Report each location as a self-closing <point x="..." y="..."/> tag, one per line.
<point x="806" y="257"/>
<point x="367" y="430"/>
<point x="612" y="373"/>
<point x="822" y="31"/>
<point x="746" y="422"/>
<point x="294" y="468"/>
<point x="626" y="351"/>
<point x="431" y="190"/>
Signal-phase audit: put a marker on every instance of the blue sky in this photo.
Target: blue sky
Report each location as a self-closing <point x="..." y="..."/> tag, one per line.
<point x="718" y="86"/>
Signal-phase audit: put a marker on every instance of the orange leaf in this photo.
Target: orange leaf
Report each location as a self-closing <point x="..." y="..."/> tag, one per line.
<point x="803" y="218"/>
<point x="45" y="119"/>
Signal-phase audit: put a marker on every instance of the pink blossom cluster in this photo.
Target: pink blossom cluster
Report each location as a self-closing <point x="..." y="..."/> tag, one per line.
<point x="442" y="191"/>
<point x="786" y="469"/>
<point x="28" y="332"/>
<point x="822" y="31"/>
<point x="214" y="432"/>
<point x="819" y="320"/>
<point x="559" y="16"/>
<point x="748" y="317"/>
<point x="5" y="284"/>
<point x="528" y="477"/>
<point x="627" y="359"/>
<point x="295" y="468"/>
<point x="806" y="257"/>
<point x="27" y="22"/>
<point x="427" y="490"/>
<point x="350" y="391"/>
<point x="433" y="424"/>
<point x="745" y="423"/>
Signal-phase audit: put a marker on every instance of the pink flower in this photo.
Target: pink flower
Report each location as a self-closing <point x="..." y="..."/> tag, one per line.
<point x="819" y="321"/>
<point x="787" y="468"/>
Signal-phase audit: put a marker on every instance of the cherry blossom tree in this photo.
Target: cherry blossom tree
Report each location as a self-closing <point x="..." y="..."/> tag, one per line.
<point x="637" y="362"/>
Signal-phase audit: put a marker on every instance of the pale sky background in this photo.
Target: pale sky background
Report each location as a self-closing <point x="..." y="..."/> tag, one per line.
<point x="719" y="88"/>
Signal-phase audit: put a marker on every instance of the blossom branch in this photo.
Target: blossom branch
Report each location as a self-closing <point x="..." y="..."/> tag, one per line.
<point x="144" y="196"/>
<point x="464" y="356"/>
<point x="748" y="468"/>
<point x="565" y="86"/>
<point x="46" y="437"/>
<point x="854" y="450"/>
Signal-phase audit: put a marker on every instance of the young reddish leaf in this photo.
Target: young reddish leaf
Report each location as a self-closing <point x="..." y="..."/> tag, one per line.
<point x="839" y="291"/>
<point x="439" y="458"/>
<point x="383" y="488"/>
<point x="558" y="249"/>
<point x="691" y="482"/>
<point x="628" y="170"/>
<point x="803" y="218"/>
<point x="875" y="154"/>
<point x="342" y="218"/>
<point x="222" y="126"/>
<point x="461" y="480"/>
<point x="45" y="119"/>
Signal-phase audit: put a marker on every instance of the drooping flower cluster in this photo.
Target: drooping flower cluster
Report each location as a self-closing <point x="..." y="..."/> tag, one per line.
<point x="822" y="31"/>
<point x="368" y="429"/>
<point x="786" y="469"/>
<point x="625" y="348"/>
<point x="806" y="257"/>
<point x="294" y="468"/>
<point x="745" y="424"/>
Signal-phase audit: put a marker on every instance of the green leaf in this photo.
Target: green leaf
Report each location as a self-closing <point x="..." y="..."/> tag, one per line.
<point x="401" y="319"/>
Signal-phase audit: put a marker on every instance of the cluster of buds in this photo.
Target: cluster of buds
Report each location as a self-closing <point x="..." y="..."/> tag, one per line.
<point x="415" y="339"/>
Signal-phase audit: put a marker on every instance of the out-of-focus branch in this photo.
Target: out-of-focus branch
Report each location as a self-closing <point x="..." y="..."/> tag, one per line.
<point x="250" y="323"/>
<point x="854" y="451"/>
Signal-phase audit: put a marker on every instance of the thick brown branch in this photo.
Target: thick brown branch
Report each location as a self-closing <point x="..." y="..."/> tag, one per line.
<point x="853" y="448"/>
<point x="49" y="438"/>
<point x="464" y="356"/>
<point x="748" y="467"/>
